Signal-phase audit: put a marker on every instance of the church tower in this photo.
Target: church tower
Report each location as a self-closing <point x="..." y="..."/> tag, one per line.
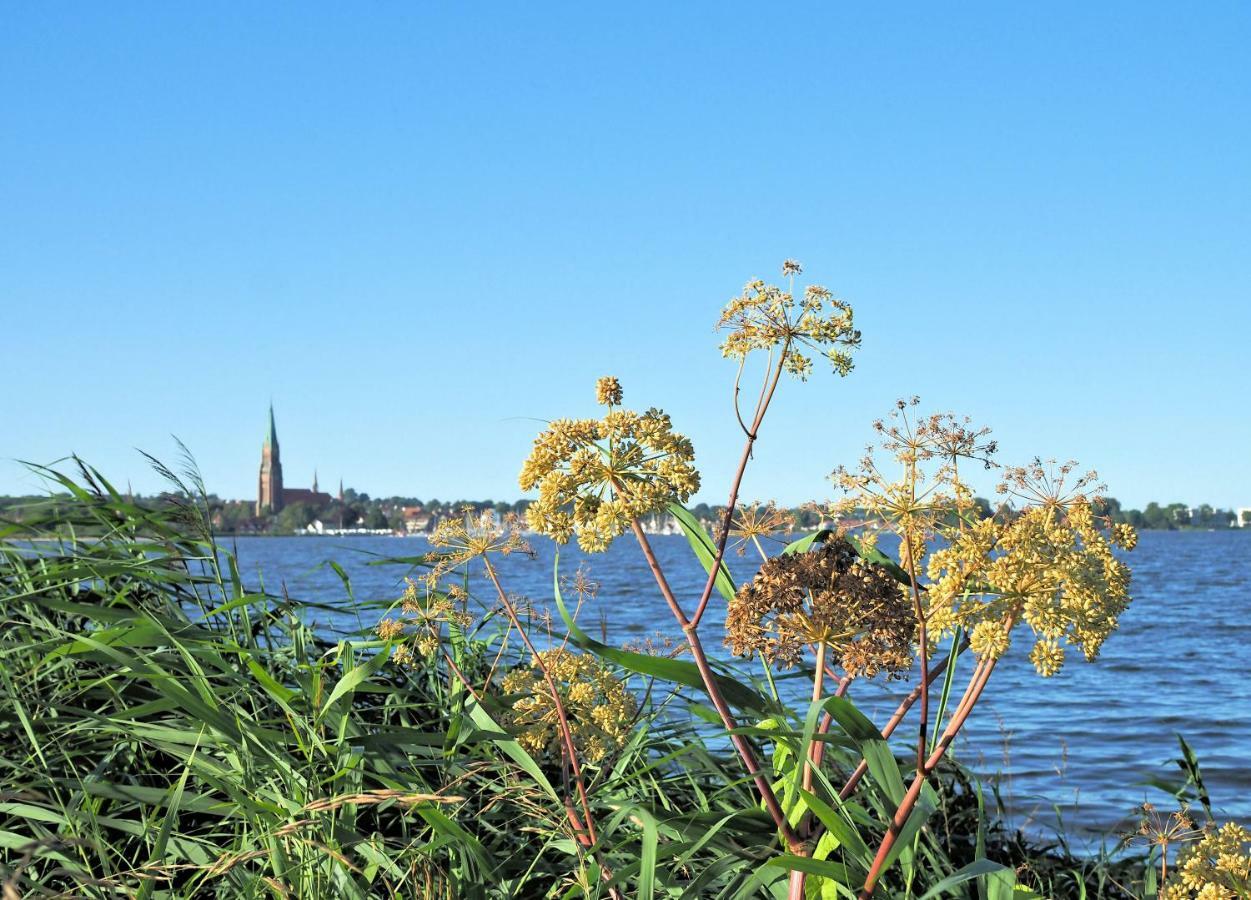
<point x="269" y="484"/>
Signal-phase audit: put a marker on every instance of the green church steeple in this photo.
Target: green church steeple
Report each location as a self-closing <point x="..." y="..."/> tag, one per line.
<point x="271" y="437"/>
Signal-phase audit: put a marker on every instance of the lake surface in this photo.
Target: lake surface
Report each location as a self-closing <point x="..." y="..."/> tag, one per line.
<point x="1081" y="742"/>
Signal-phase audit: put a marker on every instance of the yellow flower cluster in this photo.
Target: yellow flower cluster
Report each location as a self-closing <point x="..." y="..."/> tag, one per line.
<point x="598" y="706"/>
<point x="1051" y="567"/>
<point x="825" y="596"/>
<point x="608" y="391"/>
<point x="595" y="476"/>
<point x="1216" y="868"/>
<point x="424" y="612"/>
<point x="754" y="521"/>
<point x="764" y="317"/>
<point x="470" y="536"/>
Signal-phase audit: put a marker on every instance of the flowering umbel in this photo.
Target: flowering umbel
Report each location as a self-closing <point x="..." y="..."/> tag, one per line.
<point x="595" y="476"/>
<point x="1051" y="566"/>
<point x="599" y="708"/>
<point x="826" y="596"/>
<point x="1216" y="868"/>
<point x="424" y="610"/>
<point x="754" y="521"/>
<point x="470" y="536"/>
<point x="764" y="317"/>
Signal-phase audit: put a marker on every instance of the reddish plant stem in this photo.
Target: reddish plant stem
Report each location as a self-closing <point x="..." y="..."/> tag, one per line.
<point x="924" y="650"/>
<point x="744" y="748"/>
<point x="818" y="752"/>
<point x="814" y="757"/>
<point x="971" y="695"/>
<point x="798" y="878"/>
<point x="723" y="538"/>
<point x="889" y="729"/>
<point x="566" y="732"/>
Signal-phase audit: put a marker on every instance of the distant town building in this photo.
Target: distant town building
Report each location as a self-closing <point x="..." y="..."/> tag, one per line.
<point x="271" y="496"/>
<point x="416" y="519"/>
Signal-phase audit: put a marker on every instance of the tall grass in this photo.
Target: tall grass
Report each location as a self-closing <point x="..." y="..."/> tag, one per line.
<point x="172" y="732"/>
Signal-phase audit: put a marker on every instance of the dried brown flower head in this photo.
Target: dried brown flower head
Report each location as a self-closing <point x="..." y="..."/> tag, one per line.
<point x="825" y="596"/>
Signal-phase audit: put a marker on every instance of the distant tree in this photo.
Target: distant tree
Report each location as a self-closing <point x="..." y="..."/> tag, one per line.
<point x="295" y="517"/>
<point x="375" y="518"/>
<point x="1155" y="516"/>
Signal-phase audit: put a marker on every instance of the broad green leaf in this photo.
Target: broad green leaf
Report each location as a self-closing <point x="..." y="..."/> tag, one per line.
<point x="674" y="670"/>
<point x="979" y="868"/>
<point x="704" y="549"/>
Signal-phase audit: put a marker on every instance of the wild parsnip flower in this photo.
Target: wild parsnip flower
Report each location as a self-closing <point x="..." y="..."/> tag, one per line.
<point x="595" y="476"/>
<point x="470" y="536"/>
<point x="424" y="611"/>
<point x="608" y="391"/>
<point x="599" y="707"/>
<point x="1218" y="867"/>
<point x="830" y="596"/>
<point x="1051" y="567"/>
<point x="754" y="521"/>
<point x="764" y="317"/>
<point x="926" y="496"/>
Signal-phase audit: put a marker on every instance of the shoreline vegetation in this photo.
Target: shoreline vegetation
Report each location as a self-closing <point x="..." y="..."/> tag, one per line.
<point x="361" y="514"/>
<point x="177" y="732"/>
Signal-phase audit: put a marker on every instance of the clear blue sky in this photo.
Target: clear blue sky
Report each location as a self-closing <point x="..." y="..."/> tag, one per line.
<point x="415" y="228"/>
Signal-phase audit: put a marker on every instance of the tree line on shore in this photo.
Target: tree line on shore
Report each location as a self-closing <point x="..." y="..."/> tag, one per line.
<point x="358" y="509"/>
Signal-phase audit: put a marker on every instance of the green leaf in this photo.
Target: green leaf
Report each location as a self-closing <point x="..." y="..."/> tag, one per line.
<point x="979" y="868"/>
<point x="873" y="555"/>
<point x="704" y="549"/>
<point x="677" y="671"/>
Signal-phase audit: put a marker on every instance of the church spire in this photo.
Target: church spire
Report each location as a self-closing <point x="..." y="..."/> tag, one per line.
<point x="271" y="437"/>
<point x="314" y="481"/>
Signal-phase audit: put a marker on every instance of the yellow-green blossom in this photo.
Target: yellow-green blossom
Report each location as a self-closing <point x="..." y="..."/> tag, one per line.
<point x="1050" y="567"/>
<point x="764" y="317"/>
<point x="1218" y="867"/>
<point x="595" y="476"/>
<point x="598" y="706"/>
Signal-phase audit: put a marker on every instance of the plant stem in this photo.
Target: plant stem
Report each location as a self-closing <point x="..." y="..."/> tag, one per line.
<point x="762" y="406"/>
<point x="812" y="758"/>
<point x="971" y="695"/>
<point x="889" y="729"/>
<point x="565" y="732"/>
<point x="745" y="751"/>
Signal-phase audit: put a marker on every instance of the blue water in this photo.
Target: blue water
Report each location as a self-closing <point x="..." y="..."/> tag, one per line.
<point x="1080" y="743"/>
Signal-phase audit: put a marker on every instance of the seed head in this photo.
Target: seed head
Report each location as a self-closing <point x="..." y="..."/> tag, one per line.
<point x="828" y="595"/>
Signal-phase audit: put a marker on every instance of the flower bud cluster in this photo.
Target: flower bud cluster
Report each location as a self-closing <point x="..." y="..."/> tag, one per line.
<point x="595" y="476"/>
<point x="598" y="706"/>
